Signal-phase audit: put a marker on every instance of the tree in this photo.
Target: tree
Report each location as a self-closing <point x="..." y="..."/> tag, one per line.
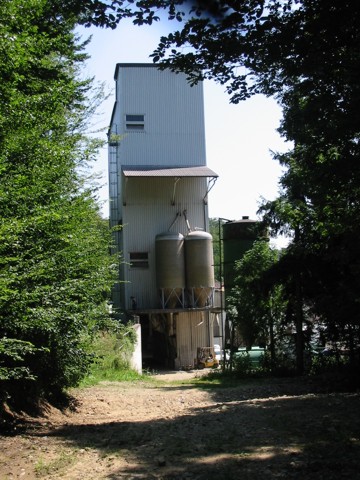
<point x="320" y="190"/>
<point x="258" y="306"/>
<point x="55" y="270"/>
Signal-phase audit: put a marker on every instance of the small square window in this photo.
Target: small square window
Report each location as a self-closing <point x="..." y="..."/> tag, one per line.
<point x="139" y="260"/>
<point x="135" y="122"/>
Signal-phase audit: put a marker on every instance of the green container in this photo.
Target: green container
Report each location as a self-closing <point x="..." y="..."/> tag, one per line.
<point x="255" y="354"/>
<point x="238" y="237"/>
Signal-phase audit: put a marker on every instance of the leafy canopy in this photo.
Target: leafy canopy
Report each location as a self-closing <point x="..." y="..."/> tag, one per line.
<point x="55" y="270"/>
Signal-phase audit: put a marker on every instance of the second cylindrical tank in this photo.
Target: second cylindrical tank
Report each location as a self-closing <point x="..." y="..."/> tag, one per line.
<point x="199" y="267"/>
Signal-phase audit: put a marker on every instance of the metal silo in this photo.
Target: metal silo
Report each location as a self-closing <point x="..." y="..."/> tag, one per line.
<point x="238" y="237"/>
<point x="199" y="265"/>
<point x="170" y="269"/>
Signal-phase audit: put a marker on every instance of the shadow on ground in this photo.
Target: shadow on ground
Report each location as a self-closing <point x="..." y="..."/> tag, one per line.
<point x="281" y="433"/>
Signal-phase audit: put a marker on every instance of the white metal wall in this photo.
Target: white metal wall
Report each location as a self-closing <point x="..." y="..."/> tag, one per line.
<point x="174" y="131"/>
<point x="148" y="212"/>
<point x="174" y="135"/>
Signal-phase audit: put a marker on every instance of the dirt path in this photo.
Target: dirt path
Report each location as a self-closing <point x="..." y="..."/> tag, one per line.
<point x="279" y="429"/>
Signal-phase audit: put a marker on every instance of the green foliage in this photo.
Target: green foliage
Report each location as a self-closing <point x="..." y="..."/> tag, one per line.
<point x="12" y="359"/>
<point x="323" y="363"/>
<point x="111" y="356"/>
<point x="242" y="365"/>
<point x="319" y="199"/>
<point x="257" y="306"/>
<point x="284" y="364"/>
<point x="55" y="269"/>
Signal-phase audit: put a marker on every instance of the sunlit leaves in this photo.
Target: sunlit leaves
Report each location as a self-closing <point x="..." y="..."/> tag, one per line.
<point x="256" y="307"/>
<point x="55" y="270"/>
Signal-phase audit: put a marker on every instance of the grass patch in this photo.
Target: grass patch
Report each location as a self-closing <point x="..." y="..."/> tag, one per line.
<point x="112" y="354"/>
<point x="62" y="461"/>
<point x="212" y="380"/>
<point x="109" y="375"/>
<point x="219" y="379"/>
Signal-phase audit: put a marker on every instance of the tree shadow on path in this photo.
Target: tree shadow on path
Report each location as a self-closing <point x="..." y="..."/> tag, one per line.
<point x="310" y="436"/>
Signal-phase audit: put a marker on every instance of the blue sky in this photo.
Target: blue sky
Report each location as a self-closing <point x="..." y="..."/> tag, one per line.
<point x="239" y="138"/>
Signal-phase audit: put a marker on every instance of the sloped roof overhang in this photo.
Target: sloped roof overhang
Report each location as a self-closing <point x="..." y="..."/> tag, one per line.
<point x="178" y="172"/>
<point x="175" y="172"/>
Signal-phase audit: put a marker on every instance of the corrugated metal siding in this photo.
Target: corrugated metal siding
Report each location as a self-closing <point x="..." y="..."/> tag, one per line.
<point x="174" y="118"/>
<point x="148" y="212"/>
<point x="192" y="331"/>
<point x="161" y="190"/>
<point x="174" y="135"/>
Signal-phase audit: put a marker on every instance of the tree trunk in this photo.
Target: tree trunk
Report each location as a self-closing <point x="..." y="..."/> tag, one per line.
<point x="299" y="327"/>
<point x="298" y="310"/>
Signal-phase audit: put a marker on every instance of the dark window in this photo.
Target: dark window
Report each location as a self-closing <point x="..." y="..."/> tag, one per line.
<point x="134" y="118"/>
<point x="139" y="260"/>
<point x="135" y="122"/>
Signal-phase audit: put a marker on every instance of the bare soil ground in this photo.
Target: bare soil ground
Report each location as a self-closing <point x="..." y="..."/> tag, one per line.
<point x="166" y="430"/>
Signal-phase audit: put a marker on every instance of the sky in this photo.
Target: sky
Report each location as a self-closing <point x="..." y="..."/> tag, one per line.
<point x="239" y="138"/>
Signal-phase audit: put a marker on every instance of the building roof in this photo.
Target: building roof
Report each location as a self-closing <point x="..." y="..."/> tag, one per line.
<point x="134" y="65"/>
<point x="155" y="171"/>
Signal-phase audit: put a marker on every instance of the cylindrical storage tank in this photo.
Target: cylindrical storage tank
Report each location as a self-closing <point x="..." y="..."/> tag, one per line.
<point x="238" y="237"/>
<point x="170" y="268"/>
<point x="199" y="266"/>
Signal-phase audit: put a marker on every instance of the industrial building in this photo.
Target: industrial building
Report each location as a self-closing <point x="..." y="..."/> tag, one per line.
<point x="159" y="185"/>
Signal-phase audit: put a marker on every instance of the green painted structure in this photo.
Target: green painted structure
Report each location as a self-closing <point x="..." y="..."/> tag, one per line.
<point x="238" y="237"/>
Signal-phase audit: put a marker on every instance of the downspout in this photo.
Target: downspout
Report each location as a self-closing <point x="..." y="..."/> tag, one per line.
<point x="176" y="180"/>
<point x="187" y="221"/>
<point x="124" y="193"/>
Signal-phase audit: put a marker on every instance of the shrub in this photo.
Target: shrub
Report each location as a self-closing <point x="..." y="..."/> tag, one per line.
<point x="242" y="364"/>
